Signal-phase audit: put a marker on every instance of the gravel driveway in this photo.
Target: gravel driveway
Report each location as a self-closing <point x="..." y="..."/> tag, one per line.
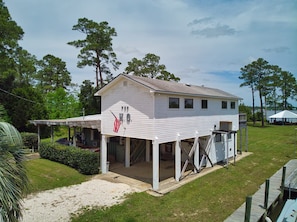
<point x="58" y="204"/>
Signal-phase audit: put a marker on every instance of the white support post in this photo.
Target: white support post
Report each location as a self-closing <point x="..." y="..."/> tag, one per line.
<point x="69" y="133"/>
<point x="156" y="153"/>
<point x="246" y="139"/>
<point x="177" y="158"/>
<point x="147" y="151"/>
<point x="127" y="152"/>
<point x="103" y="154"/>
<point x="235" y="142"/>
<point x="234" y="147"/>
<point x="38" y="138"/>
<point x="227" y="147"/>
<point x="52" y="133"/>
<point x="196" y="154"/>
<point x="74" y="137"/>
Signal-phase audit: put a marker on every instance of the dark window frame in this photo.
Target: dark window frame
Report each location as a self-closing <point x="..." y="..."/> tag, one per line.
<point x="173" y="103"/>
<point x="189" y="105"/>
<point x="224" y="104"/>
<point x="204" y="104"/>
<point x="232" y="105"/>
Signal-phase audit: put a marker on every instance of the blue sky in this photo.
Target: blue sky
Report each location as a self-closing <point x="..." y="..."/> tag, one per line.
<point x="202" y="42"/>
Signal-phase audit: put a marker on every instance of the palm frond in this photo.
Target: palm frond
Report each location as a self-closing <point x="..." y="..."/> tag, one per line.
<point x="13" y="178"/>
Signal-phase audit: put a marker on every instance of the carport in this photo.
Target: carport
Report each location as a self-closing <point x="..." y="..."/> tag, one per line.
<point x="90" y="122"/>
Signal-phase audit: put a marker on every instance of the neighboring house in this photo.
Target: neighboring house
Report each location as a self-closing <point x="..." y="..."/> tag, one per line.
<point x="187" y="123"/>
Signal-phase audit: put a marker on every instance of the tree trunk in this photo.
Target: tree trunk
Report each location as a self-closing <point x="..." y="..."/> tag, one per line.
<point x="275" y="102"/>
<point x="253" y="98"/>
<point x="101" y="78"/>
<point x="98" y="70"/>
<point x="261" y="106"/>
<point x="265" y="107"/>
<point x="100" y="73"/>
<point x="97" y="81"/>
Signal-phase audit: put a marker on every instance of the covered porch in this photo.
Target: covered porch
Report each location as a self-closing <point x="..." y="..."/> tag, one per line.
<point x="86" y="130"/>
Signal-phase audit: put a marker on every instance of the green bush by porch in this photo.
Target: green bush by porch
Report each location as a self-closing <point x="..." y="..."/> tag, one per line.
<point x="84" y="161"/>
<point x="30" y="140"/>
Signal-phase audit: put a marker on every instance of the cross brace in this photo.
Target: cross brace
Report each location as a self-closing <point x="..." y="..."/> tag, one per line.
<point x="206" y="151"/>
<point x="189" y="156"/>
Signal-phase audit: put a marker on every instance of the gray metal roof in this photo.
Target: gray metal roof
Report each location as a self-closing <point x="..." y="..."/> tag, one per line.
<point x="169" y="87"/>
<point x="90" y="121"/>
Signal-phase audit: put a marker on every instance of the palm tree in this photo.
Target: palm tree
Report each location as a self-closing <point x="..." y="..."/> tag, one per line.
<point x="13" y="178"/>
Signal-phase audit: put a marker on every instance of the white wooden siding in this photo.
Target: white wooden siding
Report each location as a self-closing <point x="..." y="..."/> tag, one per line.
<point x="185" y="122"/>
<point x="137" y="101"/>
<point x="167" y="128"/>
<point x="162" y="109"/>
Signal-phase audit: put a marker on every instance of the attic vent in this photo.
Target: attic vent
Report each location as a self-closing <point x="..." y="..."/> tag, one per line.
<point x="125" y="83"/>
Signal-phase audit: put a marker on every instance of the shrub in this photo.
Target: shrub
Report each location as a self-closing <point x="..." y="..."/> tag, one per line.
<point x="84" y="161"/>
<point x="30" y="140"/>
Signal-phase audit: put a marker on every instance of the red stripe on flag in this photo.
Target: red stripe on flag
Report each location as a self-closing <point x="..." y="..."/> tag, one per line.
<point x="116" y="125"/>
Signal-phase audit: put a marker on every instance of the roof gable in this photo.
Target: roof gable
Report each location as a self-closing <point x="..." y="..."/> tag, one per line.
<point x="168" y="87"/>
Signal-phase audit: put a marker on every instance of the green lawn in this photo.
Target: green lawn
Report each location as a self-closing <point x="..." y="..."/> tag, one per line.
<point x="215" y="196"/>
<point x="45" y="174"/>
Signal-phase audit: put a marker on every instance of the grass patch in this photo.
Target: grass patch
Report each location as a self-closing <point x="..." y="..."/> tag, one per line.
<point x="214" y="196"/>
<point x="45" y="174"/>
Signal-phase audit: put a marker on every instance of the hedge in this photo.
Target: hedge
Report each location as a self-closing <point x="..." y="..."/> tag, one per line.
<point x="30" y="140"/>
<point x="85" y="161"/>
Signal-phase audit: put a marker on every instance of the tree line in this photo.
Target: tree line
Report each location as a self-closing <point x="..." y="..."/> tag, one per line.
<point x="274" y="86"/>
<point x="32" y="88"/>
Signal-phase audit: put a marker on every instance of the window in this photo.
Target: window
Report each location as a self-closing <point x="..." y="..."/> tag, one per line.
<point x="174" y="103"/>
<point x="188" y="103"/>
<point x="232" y="105"/>
<point x="224" y="104"/>
<point x="204" y="104"/>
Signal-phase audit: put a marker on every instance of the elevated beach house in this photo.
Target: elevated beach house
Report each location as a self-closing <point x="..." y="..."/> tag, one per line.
<point x="194" y="126"/>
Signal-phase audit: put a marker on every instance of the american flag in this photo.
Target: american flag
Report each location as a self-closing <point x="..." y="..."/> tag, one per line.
<point x="116" y="123"/>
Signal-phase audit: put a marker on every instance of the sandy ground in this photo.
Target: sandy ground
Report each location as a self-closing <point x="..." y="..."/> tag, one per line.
<point x="58" y="204"/>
